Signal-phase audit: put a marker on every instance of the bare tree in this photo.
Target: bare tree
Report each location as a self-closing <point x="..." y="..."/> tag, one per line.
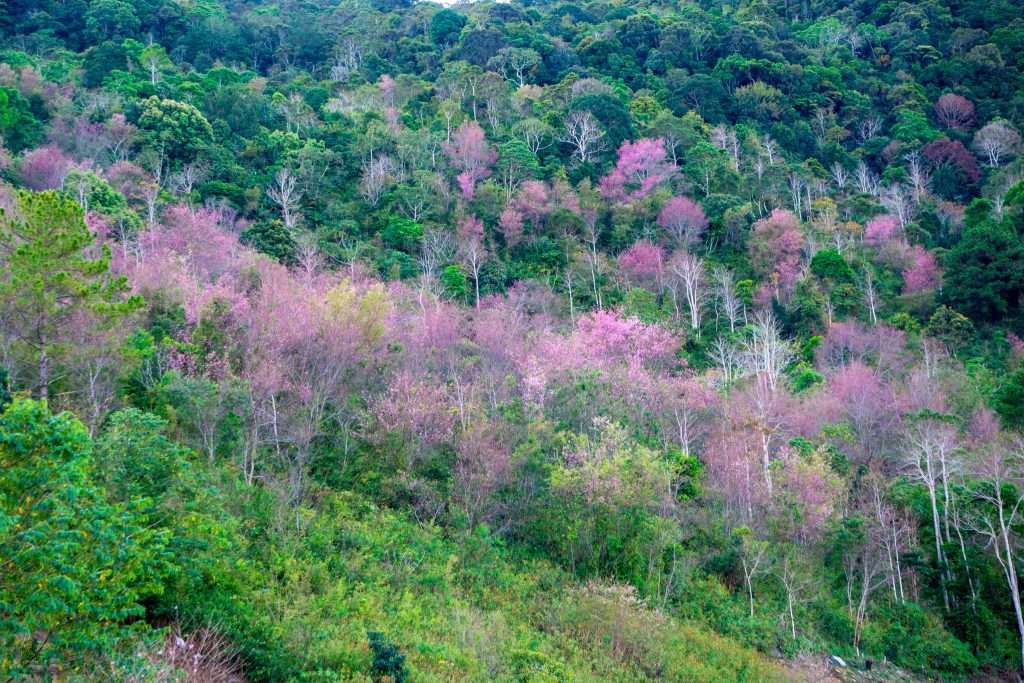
<point x="185" y="180"/>
<point x="151" y="190"/>
<point x="726" y="296"/>
<point x="867" y="182"/>
<point x="766" y="354"/>
<point x="285" y="193"/>
<point x="930" y="443"/>
<point x="996" y="140"/>
<point x="584" y="133"/>
<point x="687" y="271"/>
<point x="346" y="60"/>
<point x="379" y="173"/>
<point x="515" y="62"/>
<point x="770" y="148"/>
<point x="728" y="359"/>
<point x="865" y="565"/>
<point x="839" y="175"/>
<point x="1001" y="495"/>
<point x="726" y="139"/>
<point x="870" y="295"/>
<point x="534" y="133"/>
<point x="438" y="249"/>
<point x="919" y="176"/>
<point x="869" y="128"/>
<point x="753" y="560"/>
<point x="899" y="202"/>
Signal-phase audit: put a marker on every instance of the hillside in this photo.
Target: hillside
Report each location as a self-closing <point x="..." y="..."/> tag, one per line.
<point x="369" y="340"/>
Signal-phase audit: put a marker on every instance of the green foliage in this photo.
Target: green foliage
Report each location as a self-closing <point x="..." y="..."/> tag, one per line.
<point x="271" y="238"/>
<point x="50" y="277"/>
<point x="388" y="662"/>
<point x="757" y="108"/>
<point x="19" y="128"/>
<point x="950" y="327"/>
<point x="177" y="129"/>
<point x="985" y="270"/>
<point x="402" y="234"/>
<point x="76" y="566"/>
<point x="1009" y="400"/>
<point x="445" y="26"/>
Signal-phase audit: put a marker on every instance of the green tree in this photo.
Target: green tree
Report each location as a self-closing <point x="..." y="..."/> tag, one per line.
<point x="110" y="19"/>
<point x="50" y="281"/>
<point x="1009" y="400"/>
<point x="985" y="272"/>
<point x="75" y="567"/>
<point x="19" y="128"/>
<point x="445" y="27"/>
<point x="271" y="238"/>
<point x="176" y="128"/>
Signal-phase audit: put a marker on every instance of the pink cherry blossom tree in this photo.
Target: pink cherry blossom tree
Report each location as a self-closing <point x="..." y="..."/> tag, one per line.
<point x="684" y="220"/>
<point x="471" y="155"/>
<point x="881" y="229"/>
<point x="641" y="167"/>
<point x="954" y="111"/>
<point x="44" y="168"/>
<point x="776" y="250"/>
<point x="643" y="262"/>
<point x="511" y="224"/>
<point x="922" y="273"/>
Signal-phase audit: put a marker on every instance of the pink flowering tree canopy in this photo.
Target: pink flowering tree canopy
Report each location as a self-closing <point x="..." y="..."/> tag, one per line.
<point x="642" y="166"/>
<point x="470" y="153"/>
<point x="684" y="220"/>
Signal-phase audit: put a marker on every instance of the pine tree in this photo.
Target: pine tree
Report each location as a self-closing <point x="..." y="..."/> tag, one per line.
<point x="53" y="273"/>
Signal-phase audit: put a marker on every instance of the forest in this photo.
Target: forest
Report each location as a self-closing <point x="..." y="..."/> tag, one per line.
<point x="528" y="341"/>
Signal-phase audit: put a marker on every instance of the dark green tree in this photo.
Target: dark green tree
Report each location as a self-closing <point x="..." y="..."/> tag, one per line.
<point x="19" y="128"/>
<point x="388" y="661"/>
<point x="445" y="27"/>
<point x="271" y="238"/>
<point x="985" y="272"/>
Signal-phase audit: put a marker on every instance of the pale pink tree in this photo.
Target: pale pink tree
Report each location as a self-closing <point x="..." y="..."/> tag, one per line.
<point x="922" y="273"/>
<point x="471" y="155"/>
<point x="954" y="111"/>
<point x="482" y="467"/>
<point x="533" y="201"/>
<point x="867" y="404"/>
<point x="418" y="411"/>
<point x="684" y="220"/>
<point x="776" y="250"/>
<point x="643" y="262"/>
<point x="511" y="224"/>
<point x="44" y="168"/>
<point x="642" y="166"/>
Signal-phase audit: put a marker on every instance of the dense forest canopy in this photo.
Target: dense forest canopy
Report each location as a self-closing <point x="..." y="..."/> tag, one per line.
<point x="371" y="340"/>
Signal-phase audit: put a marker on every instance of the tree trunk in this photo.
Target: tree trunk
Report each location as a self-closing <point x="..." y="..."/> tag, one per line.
<point x="44" y="370"/>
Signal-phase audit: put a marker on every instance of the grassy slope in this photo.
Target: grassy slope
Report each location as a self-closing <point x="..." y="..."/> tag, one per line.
<point x="458" y="610"/>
